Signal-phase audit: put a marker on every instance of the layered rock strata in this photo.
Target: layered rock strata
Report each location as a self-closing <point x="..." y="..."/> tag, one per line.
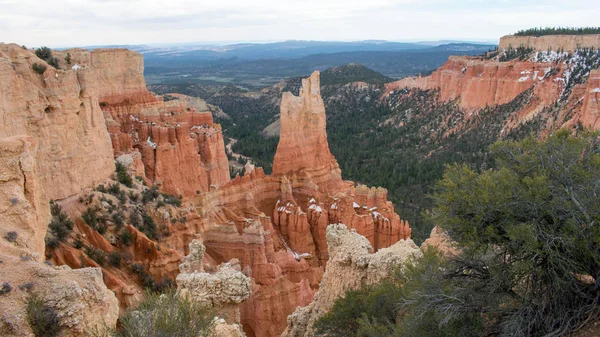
<point x="61" y="131"/>
<point x="275" y="225"/>
<point x="565" y="79"/>
<point x="567" y="43"/>
<point x="180" y="146"/>
<point x="478" y="83"/>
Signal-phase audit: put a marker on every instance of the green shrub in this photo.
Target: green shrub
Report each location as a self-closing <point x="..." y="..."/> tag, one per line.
<point x="122" y="197"/>
<point x="114" y="259"/>
<point x="171" y="199"/>
<point x="522" y="53"/>
<point x="95" y="254"/>
<point x="52" y="242"/>
<point x="166" y="315"/>
<point x="11" y="236"/>
<point x="135" y="219"/>
<point x="126" y="238"/>
<point x="58" y="230"/>
<point x="61" y="225"/>
<point x="38" y="68"/>
<point x="5" y="288"/>
<point x="133" y="196"/>
<point x="114" y="189"/>
<point x="118" y="218"/>
<point x="376" y="303"/>
<point x="27" y="286"/>
<point x="122" y="176"/>
<point x="150" y="194"/>
<point x="44" y="53"/>
<point x="149" y="227"/>
<point x="395" y="308"/>
<point x="558" y="31"/>
<point x="528" y="235"/>
<point x="68" y="58"/>
<point x="53" y="61"/>
<point x="101" y="228"/>
<point x="42" y="318"/>
<point x="78" y="243"/>
<point x="90" y="218"/>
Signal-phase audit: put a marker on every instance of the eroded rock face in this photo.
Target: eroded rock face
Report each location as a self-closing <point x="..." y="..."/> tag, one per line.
<point x="59" y="109"/>
<point x="303" y="140"/>
<point x="553" y="42"/>
<point x="441" y="241"/>
<point x="555" y="79"/>
<point x="352" y="264"/>
<point x="222" y="329"/>
<point x="53" y="144"/>
<point x="590" y="116"/>
<point x="175" y="144"/>
<point x="79" y="297"/>
<point x="181" y="149"/>
<point x="480" y="83"/>
<point x="226" y="287"/>
<point x="23" y="210"/>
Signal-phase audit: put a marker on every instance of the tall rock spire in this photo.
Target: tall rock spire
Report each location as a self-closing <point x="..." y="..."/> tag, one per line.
<point x="303" y="138"/>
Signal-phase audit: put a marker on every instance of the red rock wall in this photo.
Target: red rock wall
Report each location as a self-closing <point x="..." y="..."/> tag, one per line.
<point x="480" y="83"/>
<point x="181" y="148"/>
<point x="590" y="116"/>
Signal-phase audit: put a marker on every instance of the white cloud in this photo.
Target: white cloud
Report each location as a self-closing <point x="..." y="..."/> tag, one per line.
<point x="90" y="22"/>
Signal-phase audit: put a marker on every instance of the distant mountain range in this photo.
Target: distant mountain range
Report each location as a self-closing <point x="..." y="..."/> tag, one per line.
<point x="261" y="64"/>
<point x="286" y="49"/>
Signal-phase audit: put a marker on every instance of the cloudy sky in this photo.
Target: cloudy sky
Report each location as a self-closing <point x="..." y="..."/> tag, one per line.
<point x="62" y="23"/>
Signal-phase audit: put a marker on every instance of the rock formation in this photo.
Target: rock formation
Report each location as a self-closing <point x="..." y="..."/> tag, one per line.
<point x="53" y="144"/>
<point x="223" y="290"/>
<point x="351" y="265"/>
<point x="554" y="77"/>
<point x="303" y="141"/>
<point x="440" y="240"/>
<point x="79" y="297"/>
<point x="591" y="107"/>
<point x="568" y="43"/>
<point x="63" y="128"/>
<point x="181" y="149"/>
<point x="479" y="83"/>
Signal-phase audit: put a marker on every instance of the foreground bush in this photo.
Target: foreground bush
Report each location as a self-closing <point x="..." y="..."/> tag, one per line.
<point x="529" y="262"/>
<point x="38" y="68"/>
<point x="166" y="315"/>
<point x="530" y="233"/>
<point x="370" y="304"/>
<point x="122" y="176"/>
<point x="42" y="319"/>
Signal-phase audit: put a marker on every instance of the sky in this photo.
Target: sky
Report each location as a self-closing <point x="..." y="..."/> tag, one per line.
<point x="72" y="23"/>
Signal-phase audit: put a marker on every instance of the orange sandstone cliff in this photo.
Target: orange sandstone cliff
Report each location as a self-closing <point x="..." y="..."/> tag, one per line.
<point x="566" y="80"/>
<point x="53" y="144"/>
<point x="180" y="147"/>
<point x="63" y="128"/>
<point x="275" y="224"/>
<point x="568" y="43"/>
